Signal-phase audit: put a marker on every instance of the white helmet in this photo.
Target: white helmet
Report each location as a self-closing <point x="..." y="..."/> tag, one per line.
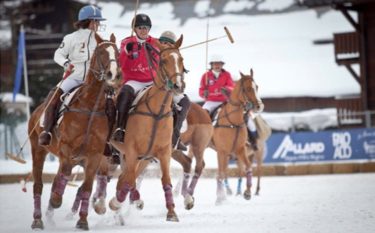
<point x="216" y="58"/>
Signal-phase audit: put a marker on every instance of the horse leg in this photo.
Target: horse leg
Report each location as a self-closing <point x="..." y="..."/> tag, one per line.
<point x="167" y="185"/>
<point x="91" y="168"/>
<point x="126" y="182"/>
<point x="259" y="158"/>
<point x="239" y="184"/>
<point x="241" y="155"/>
<point x="38" y="156"/>
<point x="223" y="160"/>
<point x="185" y="161"/>
<point x="100" y="194"/>
<point x="76" y="203"/>
<point x="227" y="186"/>
<point x="58" y="187"/>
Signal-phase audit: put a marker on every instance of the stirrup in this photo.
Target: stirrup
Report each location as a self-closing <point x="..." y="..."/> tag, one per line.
<point x="43" y="140"/>
<point x="119" y="135"/>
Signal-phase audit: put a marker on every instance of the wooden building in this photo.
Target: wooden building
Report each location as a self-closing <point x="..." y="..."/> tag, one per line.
<point x="355" y="47"/>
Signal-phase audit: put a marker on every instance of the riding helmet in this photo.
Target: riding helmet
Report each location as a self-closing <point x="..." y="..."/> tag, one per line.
<point x="142" y="20"/>
<point x="168" y="36"/>
<point x="90" y="12"/>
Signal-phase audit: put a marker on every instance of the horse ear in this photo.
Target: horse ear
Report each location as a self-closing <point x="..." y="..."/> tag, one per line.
<point x="112" y="38"/>
<point x="242" y="75"/>
<point x="251" y="72"/>
<point x="179" y="41"/>
<point x="98" y="38"/>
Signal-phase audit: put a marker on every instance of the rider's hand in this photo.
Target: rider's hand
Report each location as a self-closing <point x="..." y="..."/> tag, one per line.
<point x="224" y="91"/>
<point x="68" y="68"/>
<point x="205" y="93"/>
<point x="129" y="47"/>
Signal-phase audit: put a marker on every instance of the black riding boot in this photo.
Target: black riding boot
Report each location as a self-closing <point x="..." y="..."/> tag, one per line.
<point x="124" y="102"/>
<point x="50" y="116"/>
<point x="252" y="138"/>
<point x="179" y="115"/>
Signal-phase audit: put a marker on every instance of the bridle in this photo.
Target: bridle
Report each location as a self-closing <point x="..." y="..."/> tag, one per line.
<point x="99" y="73"/>
<point x="247" y="104"/>
<point x="166" y="79"/>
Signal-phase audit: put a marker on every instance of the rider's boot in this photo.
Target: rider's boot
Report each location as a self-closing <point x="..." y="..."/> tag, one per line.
<point x="50" y="116"/>
<point x="124" y="102"/>
<point x="179" y="115"/>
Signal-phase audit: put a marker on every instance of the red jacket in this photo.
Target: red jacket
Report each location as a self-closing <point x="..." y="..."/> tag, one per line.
<point x="134" y="64"/>
<point x="214" y="85"/>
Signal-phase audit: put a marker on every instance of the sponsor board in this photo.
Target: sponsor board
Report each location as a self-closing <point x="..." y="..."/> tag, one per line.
<point x="334" y="145"/>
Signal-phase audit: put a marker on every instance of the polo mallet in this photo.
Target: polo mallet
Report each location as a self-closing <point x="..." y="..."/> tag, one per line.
<point x="135" y="14"/>
<point x="17" y="157"/>
<point x="227" y="34"/>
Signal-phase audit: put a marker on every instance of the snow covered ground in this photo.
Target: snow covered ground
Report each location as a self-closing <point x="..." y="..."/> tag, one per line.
<point x="322" y="203"/>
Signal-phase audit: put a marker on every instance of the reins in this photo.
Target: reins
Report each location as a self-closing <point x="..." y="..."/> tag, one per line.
<point x="166" y="87"/>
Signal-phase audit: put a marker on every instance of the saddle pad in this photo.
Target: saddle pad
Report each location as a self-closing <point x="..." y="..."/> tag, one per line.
<point x="138" y="97"/>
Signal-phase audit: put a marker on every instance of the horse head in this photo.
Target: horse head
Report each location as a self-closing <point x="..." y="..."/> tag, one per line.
<point x="104" y="63"/>
<point x="249" y="92"/>
<point x="171" y="67"/>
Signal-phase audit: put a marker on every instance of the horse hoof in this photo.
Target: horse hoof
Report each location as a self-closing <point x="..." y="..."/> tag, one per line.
<point x="82" y="225"/>
<point x="172" y="217"/>
<point x="100" y="209"/>
<point x="37" y="224"/>
<point x="55" y="201"/>
<point x="189" y="202"/>
<point x="247" y="195"/>
<point x="99" y="206"/>
<point x="139" y="204"/>
<point x="114" y="204"/>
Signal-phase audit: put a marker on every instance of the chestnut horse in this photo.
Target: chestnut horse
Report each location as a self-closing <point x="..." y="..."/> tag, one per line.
<point x="81" y="135"/>
<point x="149" y="128"/>
<point x="198" y="135"/>
<point x="230" y="134"/>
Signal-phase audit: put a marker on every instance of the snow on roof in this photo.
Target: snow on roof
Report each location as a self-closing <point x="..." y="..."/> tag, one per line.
<point x="20" y="98"/>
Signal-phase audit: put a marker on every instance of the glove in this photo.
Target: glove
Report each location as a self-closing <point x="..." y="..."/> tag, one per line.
<point x="68" y="68"/>
<point x="205" y="93"/>
<point x="129" y="47"/>
<point x="224" y="91"/>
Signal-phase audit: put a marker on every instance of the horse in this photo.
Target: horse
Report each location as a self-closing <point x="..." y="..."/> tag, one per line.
<point x="198" y="135"/>
<point x="264" y="132"/>
<point x="75" y="140"/>
<point x="230" y="134"/>
<point x="149" y="128"/>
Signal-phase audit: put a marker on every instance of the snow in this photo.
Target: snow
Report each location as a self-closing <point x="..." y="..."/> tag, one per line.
<point x="321" y="203"/>
<point x="20" y="98"/>
<point x="278" y="47"/>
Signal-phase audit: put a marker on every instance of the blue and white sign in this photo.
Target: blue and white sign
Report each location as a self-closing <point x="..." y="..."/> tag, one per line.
<point x="337" y="145"/>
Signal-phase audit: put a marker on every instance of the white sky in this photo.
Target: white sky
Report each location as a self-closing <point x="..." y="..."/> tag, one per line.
<point x="278" y="47"/>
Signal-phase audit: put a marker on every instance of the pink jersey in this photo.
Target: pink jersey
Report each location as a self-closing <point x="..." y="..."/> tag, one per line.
<point x="133" y="60"/>
<point x="214" y="85"/>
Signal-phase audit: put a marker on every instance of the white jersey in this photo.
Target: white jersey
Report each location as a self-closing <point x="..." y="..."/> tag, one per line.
<point x="77" y="48"/>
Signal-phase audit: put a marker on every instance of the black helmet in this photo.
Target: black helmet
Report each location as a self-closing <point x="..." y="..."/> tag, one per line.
<point x="142" y="20"/>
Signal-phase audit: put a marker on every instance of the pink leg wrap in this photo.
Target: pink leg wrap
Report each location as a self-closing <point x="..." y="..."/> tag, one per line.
<point x="185" y="182"/>
<point x="168" y="195"/>
<point x="37" y="207"/>
<point x="84" y="204"/>
<point x="101" y="186"/>
<point x="60" y="184"/>
<point x="121" y="194"/>
<point x="193" y="183"/>
<point x="249" y="177"/>
<point x="134" y="195"/>
<point x="77" y="201"/>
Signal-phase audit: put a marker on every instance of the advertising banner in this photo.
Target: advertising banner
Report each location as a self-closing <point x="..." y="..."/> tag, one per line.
<point x="335" y="145"/>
